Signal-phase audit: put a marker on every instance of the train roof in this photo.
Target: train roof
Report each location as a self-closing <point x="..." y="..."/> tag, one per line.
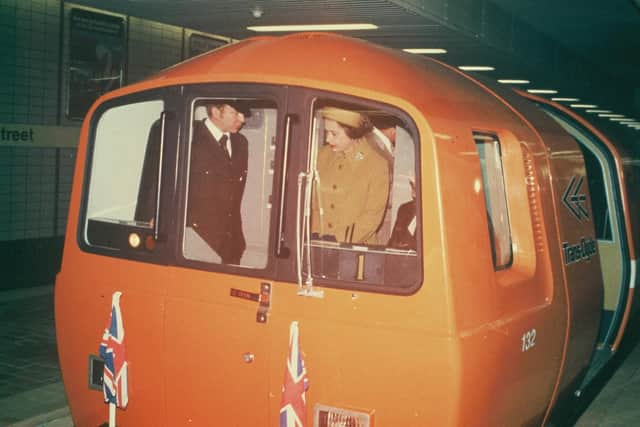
<point x="320" y="60"/>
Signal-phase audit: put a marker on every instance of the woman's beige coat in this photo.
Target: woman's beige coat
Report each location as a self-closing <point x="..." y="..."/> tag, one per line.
<point x="350" y="199"/>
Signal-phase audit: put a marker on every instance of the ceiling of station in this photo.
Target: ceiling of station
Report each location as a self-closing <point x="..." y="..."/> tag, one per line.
<point x="604" y="33"/>
<point x="589" y="49"/>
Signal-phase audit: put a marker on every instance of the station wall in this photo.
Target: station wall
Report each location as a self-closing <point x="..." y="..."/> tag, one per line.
<point x="50" y="50"/>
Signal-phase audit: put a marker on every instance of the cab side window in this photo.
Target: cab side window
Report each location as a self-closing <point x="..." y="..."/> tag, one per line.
<point x="363" y="222"/>
<point x="125" y="143"/>
<point x="488" y="147"/>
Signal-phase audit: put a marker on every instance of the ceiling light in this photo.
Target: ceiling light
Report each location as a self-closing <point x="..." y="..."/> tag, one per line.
<point x="514" y="81"/>
<point x="313" y="27"/>
<point x="583" y="106"/>
<point x="609" y="115"/>
<point x="257" y="12"/>
<point x="549" y="91"/>
<point x="429" y="51"/>
<point x="476" y="68"/>
<point x="598" y="111"/>
<point x="624" y="120"/>
<point x="565" y="99"/>
<point x="618" y="119"/>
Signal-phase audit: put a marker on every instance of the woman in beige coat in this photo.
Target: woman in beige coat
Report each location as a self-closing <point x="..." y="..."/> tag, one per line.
<point x="350" y="198"/>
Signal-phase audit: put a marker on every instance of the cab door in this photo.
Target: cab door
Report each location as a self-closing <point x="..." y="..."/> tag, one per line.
<point x="216" y="351"/>
<point x="354" y="303"/>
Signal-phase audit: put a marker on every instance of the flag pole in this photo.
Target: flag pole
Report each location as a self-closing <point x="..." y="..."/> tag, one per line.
<point x="112" y="415"/>
<point x="112" y="351"/>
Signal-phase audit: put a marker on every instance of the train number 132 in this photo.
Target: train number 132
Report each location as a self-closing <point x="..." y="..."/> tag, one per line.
<point x="528" y="340"/>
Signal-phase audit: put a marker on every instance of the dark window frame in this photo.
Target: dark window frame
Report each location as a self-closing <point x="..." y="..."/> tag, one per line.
<point x="160" y="253"/>
<point x="344" y="99"/>
<point x="226" y="90"/>
<point x="288" y="100"/>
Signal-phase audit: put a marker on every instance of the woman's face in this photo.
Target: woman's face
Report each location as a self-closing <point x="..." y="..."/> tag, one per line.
<point x="336" y="137"/>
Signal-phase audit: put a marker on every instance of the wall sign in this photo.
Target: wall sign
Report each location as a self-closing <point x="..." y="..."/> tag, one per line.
<point x="96" y="58"/>
<point x="20" y="135"/>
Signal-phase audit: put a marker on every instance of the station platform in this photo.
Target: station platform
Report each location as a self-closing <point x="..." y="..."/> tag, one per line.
<point x="32" y="394"/>
<point x="31" y="391"/>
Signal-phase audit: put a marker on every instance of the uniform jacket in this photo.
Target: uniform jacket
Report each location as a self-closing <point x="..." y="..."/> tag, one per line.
<point x="350" y="200"/>
<point x="216" y="186"/>
<point x="403" y="234"/>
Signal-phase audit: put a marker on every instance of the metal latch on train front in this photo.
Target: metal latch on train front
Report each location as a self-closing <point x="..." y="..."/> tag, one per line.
<point x="263" y="299"/>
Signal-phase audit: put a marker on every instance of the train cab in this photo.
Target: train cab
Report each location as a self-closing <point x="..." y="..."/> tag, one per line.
<point x="404" y="244"/>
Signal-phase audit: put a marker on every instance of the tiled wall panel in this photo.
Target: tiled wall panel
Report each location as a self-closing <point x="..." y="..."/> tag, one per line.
<point x="35" y="184"/>
<point x="152" y="47"/>
<point x="30" y="51"/>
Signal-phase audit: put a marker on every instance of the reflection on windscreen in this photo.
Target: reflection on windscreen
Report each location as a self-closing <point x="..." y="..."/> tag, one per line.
<point x="121" y="139"/>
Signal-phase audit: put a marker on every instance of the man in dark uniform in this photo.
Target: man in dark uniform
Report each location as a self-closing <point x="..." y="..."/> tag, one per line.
<point x="403" y="235"/>
<point x="146" y="205"/>
<point x="217" y="178"/>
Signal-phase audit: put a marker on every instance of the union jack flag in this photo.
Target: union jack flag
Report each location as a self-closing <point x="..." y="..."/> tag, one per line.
<point x="293" y="407"/>
<point x="113" y="353"/>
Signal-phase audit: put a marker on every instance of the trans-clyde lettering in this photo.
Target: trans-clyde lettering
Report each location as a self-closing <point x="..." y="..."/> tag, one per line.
<point x="585" y="249"/>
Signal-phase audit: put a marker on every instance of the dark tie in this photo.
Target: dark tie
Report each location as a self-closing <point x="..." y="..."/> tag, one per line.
<point x="223" y="144"/>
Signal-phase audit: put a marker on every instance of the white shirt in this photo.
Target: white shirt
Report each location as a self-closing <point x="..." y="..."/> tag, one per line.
<point x="384" y="140"/>
<point x="217" y="133"/>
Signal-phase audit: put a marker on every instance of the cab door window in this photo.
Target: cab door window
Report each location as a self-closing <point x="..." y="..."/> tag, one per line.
<point x="230" y="181"/>
<point x="363" y="225"/>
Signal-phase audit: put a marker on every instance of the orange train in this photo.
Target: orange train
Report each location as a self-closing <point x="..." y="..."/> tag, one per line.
<point x="514" y="288"/>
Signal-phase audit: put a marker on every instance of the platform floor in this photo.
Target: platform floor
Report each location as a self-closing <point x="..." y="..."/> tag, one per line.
<point x="32" y="395"/>
<point x="612" y="400"/>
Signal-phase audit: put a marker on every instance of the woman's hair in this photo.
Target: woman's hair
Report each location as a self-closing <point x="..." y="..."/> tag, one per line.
<point x="355" y="125"/>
